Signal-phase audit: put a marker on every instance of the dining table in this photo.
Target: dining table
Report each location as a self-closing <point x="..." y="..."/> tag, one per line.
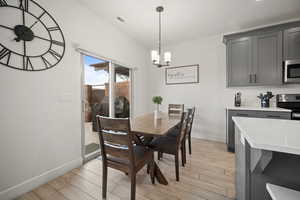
<point x="148" y="126"/>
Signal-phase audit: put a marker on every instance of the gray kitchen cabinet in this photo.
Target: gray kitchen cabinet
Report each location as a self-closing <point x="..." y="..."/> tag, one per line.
<point x="292" y="44"/>
<point x="240" y="167"/>
<point x="267" y="59"/>
<point x="255" y="60"/>
<point x="257" y="167"/>
<point x="255" y="57"/>
<point x="239" y="62"/>
<point x="230" y="132"/>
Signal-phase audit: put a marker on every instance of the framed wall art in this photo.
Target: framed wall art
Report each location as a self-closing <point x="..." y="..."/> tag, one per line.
<point x="188" y="74"/>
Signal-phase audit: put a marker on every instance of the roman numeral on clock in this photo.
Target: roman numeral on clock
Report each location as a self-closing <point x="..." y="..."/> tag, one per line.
<point x="56" y="55"/>
<point x="46" y="62"/>
<point x="27" y="63"/>
<point x="5" y="53"/>
<point x="3" y="3"/>
<point x="56" y="28"/>
<point x="58" y="43"/>
<point x="24" y="5"/>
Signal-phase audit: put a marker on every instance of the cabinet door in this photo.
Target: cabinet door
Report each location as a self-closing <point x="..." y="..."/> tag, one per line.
<point x="240" y="166"/>
<point x="274" y="115"/>
<point x="239" y="62"/>
<point x="292" y="44"/>
<point x="230" y="135"/>
<point x="267" y="59"/>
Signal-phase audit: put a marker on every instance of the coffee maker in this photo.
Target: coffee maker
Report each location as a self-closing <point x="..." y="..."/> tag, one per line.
<point x="238" y="99"/>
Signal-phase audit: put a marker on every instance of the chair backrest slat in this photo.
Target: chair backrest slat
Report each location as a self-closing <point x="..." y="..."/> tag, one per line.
<point x="116" y="139"/>
<point x="186" y="125"/>
<point x="191" y="120"/>
<point x="182" y="128"/>
<point x="117" y="151"/>
<point x="117" y="124"/>
<point x="120" y="138"/>
<point x="176" y="109"/>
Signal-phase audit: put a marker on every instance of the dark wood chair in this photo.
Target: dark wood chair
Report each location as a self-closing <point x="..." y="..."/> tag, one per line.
<point x="175" y="109"/>
<point x="120" y="152"/>
<point x="172" y="145"/>
<point x="189" y="134"/>
<point x="176" y="131"/>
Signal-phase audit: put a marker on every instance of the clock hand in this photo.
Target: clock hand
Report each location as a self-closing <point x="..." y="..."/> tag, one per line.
<point x="6" y="27"/>
<point x="45" y="39"/>
<point x="24" y="46"/>
<point x="37" y="20"/>
<point x="23" y="15"/>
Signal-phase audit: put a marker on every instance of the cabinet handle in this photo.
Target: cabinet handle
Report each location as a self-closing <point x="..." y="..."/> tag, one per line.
<point x="250" y="78"/>
<point x="254" y="78"/>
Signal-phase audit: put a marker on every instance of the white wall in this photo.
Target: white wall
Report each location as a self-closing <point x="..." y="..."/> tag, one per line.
<point x="210" y="96"/>
<point x="40" y="115"/>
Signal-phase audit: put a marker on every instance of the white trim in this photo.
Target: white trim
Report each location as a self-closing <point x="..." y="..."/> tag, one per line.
<point x="131" y="93"/>
<point x="36" y="181"/>
<point x="112" y="84"/>
<point x="82" y="108"/>
<point x="263" y="26"/>
<point x="92" y="155"/>
<point x="216" y="138"/>
<point x="89" y="53"/>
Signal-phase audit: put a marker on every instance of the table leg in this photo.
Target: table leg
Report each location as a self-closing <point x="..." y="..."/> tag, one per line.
<point x="159" y="175"/>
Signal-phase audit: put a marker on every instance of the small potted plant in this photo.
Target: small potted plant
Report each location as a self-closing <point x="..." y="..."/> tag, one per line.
<point x="265" y="99"/>
<point x="157" y="100"/>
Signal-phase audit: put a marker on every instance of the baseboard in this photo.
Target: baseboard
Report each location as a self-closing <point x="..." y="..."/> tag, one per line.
<point x="36" y="181"/>
<point x="211" y="137"/>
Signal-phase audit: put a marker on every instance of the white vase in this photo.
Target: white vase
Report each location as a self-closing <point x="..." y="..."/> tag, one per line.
<point x="157" y="114"/>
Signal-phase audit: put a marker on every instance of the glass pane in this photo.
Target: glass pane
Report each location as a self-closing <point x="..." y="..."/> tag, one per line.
<point x="122" y="91"/>
<point x="294" y="71"/>
<point x="96" y="89"/>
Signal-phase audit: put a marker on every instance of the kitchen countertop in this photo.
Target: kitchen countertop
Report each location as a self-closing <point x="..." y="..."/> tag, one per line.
<point x="279" y="193"/>
<point x="270" y="134"/>
<point x="272" y="109"/>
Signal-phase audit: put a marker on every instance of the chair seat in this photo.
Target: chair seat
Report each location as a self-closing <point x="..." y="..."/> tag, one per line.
<point x="174" y="132"/>
<point x="141" y="154"/>
<point x="165" y="144"/>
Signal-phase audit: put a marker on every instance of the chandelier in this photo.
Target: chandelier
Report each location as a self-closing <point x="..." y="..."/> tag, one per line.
<point x="156" y="55"/>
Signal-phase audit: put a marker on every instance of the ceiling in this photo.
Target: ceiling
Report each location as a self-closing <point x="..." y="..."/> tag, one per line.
<point x="189" y="19"/>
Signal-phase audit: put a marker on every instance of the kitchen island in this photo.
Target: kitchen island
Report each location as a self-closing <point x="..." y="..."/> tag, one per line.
<point x="254" y="112"/>
<point x="267" y="151"/>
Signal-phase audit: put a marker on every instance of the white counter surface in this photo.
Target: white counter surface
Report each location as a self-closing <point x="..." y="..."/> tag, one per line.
<point x="270" y="134"/>
<point x="272" y="109"/>
<point x="281" y="193"/>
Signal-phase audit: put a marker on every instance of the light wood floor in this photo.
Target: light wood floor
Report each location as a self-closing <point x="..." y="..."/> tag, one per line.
<point x="209" y="174"/>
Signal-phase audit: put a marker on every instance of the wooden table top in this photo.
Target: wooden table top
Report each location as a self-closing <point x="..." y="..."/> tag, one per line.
<point x="147" y="125"/>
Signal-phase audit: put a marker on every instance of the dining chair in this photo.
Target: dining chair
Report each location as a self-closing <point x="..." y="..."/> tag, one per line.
<point x="175" y="109"/>
<point x="175" y="132"/>
<point x="189" y="133"/>
<point x="172" y="145"/>
<point x="120" y="152"/>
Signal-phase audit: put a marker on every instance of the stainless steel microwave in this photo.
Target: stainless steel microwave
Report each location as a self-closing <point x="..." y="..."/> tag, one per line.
<point x="292" y="71"/>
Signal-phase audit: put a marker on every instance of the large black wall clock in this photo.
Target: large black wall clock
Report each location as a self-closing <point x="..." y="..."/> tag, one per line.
<point x="30" y="38"/>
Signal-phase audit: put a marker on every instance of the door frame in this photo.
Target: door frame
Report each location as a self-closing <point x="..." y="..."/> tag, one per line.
<point x="83" y="53"/>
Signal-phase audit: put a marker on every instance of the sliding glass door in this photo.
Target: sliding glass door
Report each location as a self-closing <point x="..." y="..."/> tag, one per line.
<point x="122" y="91"/>
<point x="106" y="92"/>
